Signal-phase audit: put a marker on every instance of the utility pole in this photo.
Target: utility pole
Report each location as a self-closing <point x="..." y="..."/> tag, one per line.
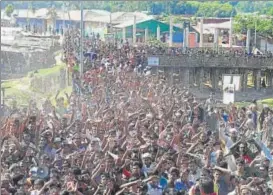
<point x="248" y="41"/>
<point x="134" y="30"/>
<point x="230" y="32"/>
<point x="255" y="33"/>
<point x="1" y="65"/>
<point x="1" y="110"/>
<point x="111" y="27"/>
<point x="63" y="17"/>
<point x="81" y="42"/>
<point x="255" y="36"/>
<point x="231" y="29"/>
<point x="201" y="32"/>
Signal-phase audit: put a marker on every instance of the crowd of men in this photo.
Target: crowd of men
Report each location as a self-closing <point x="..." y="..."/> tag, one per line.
<point x="124" y="133"/>
<point x="118" y="52"/>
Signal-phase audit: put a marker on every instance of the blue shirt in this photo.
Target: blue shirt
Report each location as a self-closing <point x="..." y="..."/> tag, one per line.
<point x="51" y="152"/>
<point x="222" y="187"/>
<point x="225" y="117"/>
<point x="181" y="186"/>
<point x="154" y="190"/>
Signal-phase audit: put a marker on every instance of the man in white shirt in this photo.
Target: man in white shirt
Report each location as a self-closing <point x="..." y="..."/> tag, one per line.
<point x="228" y="140"/>
<point x="148" y="167"/>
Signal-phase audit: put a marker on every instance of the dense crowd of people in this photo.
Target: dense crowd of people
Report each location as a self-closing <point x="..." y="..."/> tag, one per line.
<point x="124" y="133"/>
<point x="115" y="52"/>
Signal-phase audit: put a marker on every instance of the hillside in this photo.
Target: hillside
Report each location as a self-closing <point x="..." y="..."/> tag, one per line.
<point x="206" y="9"/>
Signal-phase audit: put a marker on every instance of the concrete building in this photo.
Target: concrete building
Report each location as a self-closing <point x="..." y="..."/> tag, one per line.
<point x="212" y="29"/>
<point x="202" y="68"/>
<point x="121" y="17"/>
<point x="96" y="20"/>
<point x="6" y="21"/>
<point x="264" y="44"/>
<point x="35" y="19"/>
<point x="93" y="19"/>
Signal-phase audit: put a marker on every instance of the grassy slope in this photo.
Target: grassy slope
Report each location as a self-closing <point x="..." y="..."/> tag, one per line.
<point x="269" y="102"/>
<point x="19" y="89"/>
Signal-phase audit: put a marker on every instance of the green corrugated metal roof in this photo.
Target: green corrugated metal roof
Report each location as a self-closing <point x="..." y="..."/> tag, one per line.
<point x="151" y="24"/>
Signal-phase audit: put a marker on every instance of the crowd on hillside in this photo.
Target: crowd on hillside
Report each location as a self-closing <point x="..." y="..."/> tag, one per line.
<point x="124" y="133"/>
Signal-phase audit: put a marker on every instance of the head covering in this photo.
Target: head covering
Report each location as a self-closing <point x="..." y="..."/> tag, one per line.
<point x="233" y="130"/>
<point x="146" y="155"/>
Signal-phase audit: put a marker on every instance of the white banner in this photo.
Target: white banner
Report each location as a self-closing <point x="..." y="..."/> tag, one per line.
<point x="226" y="80"/>
<point x="153" y="61"/>
<point x="232" y="79"/>
<point x="228" y="93"/>
<point x="237" y="82"/>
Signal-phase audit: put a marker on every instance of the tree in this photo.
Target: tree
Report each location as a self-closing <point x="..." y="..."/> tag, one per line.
<point x="52" y="14"/>
<point x="268" y="11"/>
<point x="246" y="7"/>
<point x="9" y="10"/>
<point x="177" y="7"/>
<point x="265" y="29"/>
<point x="244" y="22"/>
<point x="263" y="26"/>
<point x="233" y="3"/>
<point x="215" y="9"/>
<point x="157" y="8"/>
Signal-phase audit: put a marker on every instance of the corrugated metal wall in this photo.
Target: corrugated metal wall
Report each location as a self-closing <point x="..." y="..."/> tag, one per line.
<point x="178" y="37"/>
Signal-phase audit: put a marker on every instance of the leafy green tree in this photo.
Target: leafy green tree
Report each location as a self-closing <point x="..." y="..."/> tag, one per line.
<point x="244" y="22"/>
<point x="9" y="10"/>
<point x="268" y="11"/>
<point x="177" y="7"/>
<point x="265" y="29"/>
<point x="215" y="9"/>
<point x="157" y="8"/>
<point x="226" y="10"/>
<point x="246" y="7"/>
<point x="263" y="26"/>
<point x="233" y="3"/>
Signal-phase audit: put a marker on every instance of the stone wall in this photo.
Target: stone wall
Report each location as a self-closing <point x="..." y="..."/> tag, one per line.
<point x="22" y="59"/>
<point x="19" y="63"/>
<point x="192" y="70"/>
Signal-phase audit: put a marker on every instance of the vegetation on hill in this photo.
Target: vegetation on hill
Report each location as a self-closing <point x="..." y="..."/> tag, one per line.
<point x="176" y="7"/>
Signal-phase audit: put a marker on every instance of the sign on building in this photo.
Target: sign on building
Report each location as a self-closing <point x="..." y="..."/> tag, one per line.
<point x="228" y="93"/>
<point x="232" y="79"/>
<point x="153" y="61"/>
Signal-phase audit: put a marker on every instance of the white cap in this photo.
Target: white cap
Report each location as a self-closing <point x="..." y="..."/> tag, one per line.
<point x="149" y="115"/>
<point x="146" y="155"/>
<point x="232" y="130"/>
